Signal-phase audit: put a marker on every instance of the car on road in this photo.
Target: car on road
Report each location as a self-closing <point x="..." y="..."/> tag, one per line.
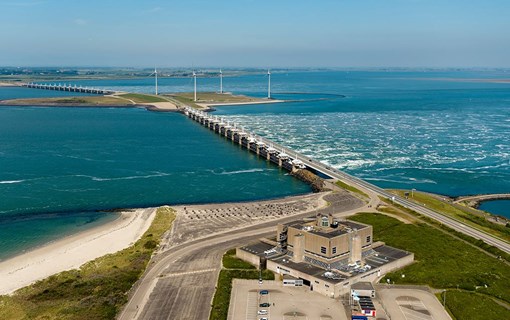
<point x="264" y="305"/>
<point x="262" y="312"/>
<point x="264" y="292"/>
<point x="263" y="319"/>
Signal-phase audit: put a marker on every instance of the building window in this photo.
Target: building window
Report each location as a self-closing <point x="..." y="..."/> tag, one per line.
<point x="323" y="250"/>
<point x="316" y="281"/>
<point x="333" y="250"/>
<point x="325" y="222"/>
<point x="368" y="239"/>
<point x="326" y="286"/>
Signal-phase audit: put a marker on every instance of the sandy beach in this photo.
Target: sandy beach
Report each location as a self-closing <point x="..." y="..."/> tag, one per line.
<point x="73" y="251"/>
<point x="208" y="105"/>
<point x="8" y="84"/>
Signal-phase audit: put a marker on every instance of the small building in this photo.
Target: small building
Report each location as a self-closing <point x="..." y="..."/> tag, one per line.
<point x="363" y="289"/>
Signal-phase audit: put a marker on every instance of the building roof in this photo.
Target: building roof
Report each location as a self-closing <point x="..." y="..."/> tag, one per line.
<point x="362" y="286"/>
<point x="344" y="227"/>
<point x="259" y="249"/>
<point x="309" y="269"/>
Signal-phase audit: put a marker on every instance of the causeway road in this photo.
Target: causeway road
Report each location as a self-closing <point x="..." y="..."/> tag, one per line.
<point x="477" y="234"/>
<point x="337" y="174"/>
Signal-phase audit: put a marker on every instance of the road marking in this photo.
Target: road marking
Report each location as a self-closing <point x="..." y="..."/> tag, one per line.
<point x="170" y="275"/>
<point x="414" y="313"/>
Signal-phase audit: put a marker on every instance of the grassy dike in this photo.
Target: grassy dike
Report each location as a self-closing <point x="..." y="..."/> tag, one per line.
<point x="233" y="268"/>
<point x="456" y="212"/>
<point x="351" y="188"/>
<point x="143" y="98"/>
<point x="473" y="279"/>
<point x="97" y="290"/>
<point x="479" y="243"/>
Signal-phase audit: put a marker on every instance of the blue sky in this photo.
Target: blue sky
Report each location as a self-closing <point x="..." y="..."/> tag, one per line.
<point x="256" y="33"/>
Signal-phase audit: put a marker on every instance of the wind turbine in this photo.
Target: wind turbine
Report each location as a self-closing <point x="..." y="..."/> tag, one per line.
<point x="195" y="85"/>
<point x="155" y="73"/>
<point x="268" y="84"/>
<point x="221" y="82"/>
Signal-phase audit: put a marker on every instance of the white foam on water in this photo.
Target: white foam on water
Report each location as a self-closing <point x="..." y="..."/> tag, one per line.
<point x="241" y="171"/>
<point x="11" y="181"/>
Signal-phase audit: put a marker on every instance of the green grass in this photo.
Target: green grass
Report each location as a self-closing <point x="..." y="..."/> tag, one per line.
<point x="468" y="305"/>
<point x="348" y="187"/>
<point x="186" y="98"/>
<point x="479" y="243"/>
<point x="96" y="291"/>
<point x="396" y="212"/>
<point x="476" y="221"/>
<point x="221" y="300"/>
<point x="143" y="98"/>
<point x="231" y="262"/>
<point x="441" y="261"/>
<point x="85" y="101"/>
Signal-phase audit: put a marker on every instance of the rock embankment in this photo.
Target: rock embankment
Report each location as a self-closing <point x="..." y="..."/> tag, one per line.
<point x="316" y="182"/>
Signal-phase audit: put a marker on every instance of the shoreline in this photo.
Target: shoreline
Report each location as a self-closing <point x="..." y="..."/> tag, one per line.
<point x="210" y="106"/>
<point x="74" y="250"/>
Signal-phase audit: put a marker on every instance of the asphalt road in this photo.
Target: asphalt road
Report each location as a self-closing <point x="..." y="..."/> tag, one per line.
<point x="179" y="283"/>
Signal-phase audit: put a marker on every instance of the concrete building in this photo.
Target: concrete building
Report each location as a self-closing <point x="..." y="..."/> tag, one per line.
<point x="329" y="255"/>
<point x="324" y="241"/>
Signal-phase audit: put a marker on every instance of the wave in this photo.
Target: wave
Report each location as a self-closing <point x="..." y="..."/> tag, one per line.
<point x="11" y="181"/>
<point x="159" y="174"/>
<point x="240" y="171"/>
<point x="411" y="180"/>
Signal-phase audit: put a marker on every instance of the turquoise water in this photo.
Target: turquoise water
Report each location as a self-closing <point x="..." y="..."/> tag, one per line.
<point x="20" y="93"/>
<point x="499" y="207"/>
<point x="61" y="160"/>
<point x="22" y="234"/>
<point x="440" y="131"/>
<point x="436" y="132"/>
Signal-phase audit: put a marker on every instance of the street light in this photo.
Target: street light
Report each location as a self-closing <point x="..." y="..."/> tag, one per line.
<point x="412" y="192"/>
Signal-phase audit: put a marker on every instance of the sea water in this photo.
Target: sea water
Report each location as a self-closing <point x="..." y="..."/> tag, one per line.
<point x="440" y="131"/>
<point x="59" y="165"/>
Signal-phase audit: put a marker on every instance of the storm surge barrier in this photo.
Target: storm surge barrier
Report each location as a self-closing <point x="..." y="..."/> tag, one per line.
<point x="292" y="161"/>
<point x="67" y="87"/>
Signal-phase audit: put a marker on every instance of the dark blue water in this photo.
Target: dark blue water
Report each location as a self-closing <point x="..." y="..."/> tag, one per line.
<point x="499" y="207"/>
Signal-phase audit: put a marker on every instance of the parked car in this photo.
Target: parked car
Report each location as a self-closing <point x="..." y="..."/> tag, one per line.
<point x="264" y="305"/>
<point x="264" y="292"/>
<point x="262" y="312"/>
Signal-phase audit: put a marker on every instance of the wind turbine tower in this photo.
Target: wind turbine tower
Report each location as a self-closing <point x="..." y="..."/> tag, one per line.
<point x="268" y="84"/>
<point x="221" y="82"/>
<point x="195" y="85"/>
<point x="156" y="78"/>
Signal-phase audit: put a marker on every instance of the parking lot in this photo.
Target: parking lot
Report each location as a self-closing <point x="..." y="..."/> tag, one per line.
<point x="287" y="303"/>
<point x="411" y="304"/>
